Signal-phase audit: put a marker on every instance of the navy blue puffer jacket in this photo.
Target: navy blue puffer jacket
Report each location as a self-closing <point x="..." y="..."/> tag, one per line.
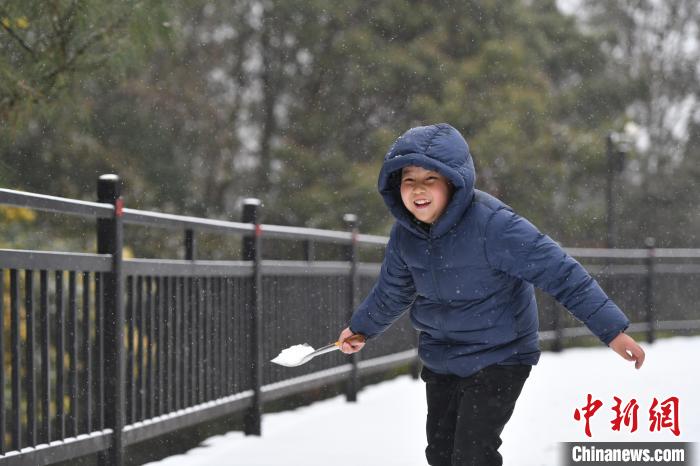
<point x="468" y="280"/>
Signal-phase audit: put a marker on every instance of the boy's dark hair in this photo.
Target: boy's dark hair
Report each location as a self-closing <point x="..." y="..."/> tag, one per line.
<point x="395" y="179"/>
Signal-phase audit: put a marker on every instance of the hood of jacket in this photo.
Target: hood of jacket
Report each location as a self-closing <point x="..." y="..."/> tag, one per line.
<point x="437" y="147"/>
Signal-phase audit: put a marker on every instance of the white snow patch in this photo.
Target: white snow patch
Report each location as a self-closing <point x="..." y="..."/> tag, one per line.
<point x="293" y="354"/>
<point x="387" y="424"/>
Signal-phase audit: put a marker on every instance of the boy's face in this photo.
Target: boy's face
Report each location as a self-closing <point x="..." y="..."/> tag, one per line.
<point x="425" y="193"/>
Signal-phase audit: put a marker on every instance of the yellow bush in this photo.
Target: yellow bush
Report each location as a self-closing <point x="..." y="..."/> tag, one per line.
<point x="17" y="214"/>
<point x="22" y="22"/>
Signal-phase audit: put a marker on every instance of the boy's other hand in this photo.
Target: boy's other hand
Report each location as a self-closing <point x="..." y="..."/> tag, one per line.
<point x="625" y="346"/>
<point x="350" y="342"/>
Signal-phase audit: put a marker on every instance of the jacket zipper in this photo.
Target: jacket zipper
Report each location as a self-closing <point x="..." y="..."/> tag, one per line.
<point x="432" y="268"/>
<point x="441" y="323"/>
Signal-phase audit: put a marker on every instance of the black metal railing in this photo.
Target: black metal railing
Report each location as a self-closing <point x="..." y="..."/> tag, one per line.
<point x="103" y="352"/>
<point x="130" y="349"/>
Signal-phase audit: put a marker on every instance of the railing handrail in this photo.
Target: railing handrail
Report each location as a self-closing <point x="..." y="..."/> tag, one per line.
<point x="620" y="253"/>
<point x="174" y="221"/>
<point x="48" y="260"/>
<point x="184" y="222"/>
<point x="55" y="204"/>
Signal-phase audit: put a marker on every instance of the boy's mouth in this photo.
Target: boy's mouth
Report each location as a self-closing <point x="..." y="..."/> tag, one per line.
<point x="421" y="203"/>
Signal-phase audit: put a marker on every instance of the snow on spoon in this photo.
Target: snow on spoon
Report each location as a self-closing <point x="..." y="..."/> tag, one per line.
<point x="300" y="354"/>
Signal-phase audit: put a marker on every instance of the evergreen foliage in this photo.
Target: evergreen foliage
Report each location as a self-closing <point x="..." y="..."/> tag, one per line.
<point x="199" y="104"/>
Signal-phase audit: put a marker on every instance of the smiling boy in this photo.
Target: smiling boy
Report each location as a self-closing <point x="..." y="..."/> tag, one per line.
<point x="425" y="193"/>
<point x="464" y="264"/>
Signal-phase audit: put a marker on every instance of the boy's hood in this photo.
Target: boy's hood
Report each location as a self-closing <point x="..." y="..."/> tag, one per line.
<point x="437" y="147"/>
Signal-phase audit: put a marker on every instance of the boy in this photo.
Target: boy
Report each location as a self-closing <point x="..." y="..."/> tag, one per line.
<point x="465" y="264"/>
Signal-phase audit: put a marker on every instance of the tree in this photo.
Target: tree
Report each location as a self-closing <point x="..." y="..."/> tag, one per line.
<point x="651" y="46"/>
<point x="522" y="82"/>
<point x="48" y="47"/>
<point x="296" y="102"/>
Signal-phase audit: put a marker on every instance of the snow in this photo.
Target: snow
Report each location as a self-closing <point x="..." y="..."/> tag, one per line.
<point x="292" y="355"/>
<point x="386" y="425"/>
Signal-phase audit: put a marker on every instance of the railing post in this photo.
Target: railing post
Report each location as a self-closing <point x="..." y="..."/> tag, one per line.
<point x="252" y="251"/>
<point x="416" y="365"/>
<point x="189" y="307"/>
<point x="110" y="241"/>
<point x="650" y="317"/>
<point x="353" y="300"/>
<point x="190" y="245"/>
<point x="558" y="344"/>
<point x="309" y="250"/>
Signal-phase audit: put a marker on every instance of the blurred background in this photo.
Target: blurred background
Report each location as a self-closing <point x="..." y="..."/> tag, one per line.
<point x="198" y="104"/>
<point x="583" y="115"/>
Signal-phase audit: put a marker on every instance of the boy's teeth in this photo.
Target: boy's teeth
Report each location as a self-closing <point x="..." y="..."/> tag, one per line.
<point x="422" y="202"/>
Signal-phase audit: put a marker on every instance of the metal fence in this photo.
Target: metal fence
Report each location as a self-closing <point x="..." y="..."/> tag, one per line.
<point x="658" y="289"/>
<point x="100" y="352"/>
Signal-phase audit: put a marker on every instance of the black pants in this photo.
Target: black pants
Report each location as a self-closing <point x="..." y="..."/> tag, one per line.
<point x="466" y="415"/>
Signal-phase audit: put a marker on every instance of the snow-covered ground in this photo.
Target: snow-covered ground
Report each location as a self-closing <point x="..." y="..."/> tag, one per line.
<point x="386" y="425"/>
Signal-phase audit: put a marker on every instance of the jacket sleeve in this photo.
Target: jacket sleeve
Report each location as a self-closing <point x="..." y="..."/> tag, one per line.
<point x="392" y="294"/>
<point x="515" y="246"/>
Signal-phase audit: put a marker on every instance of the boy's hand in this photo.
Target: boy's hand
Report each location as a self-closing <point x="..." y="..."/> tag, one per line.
<point x="625" y="346"/>
<point x="350" y="342"/>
